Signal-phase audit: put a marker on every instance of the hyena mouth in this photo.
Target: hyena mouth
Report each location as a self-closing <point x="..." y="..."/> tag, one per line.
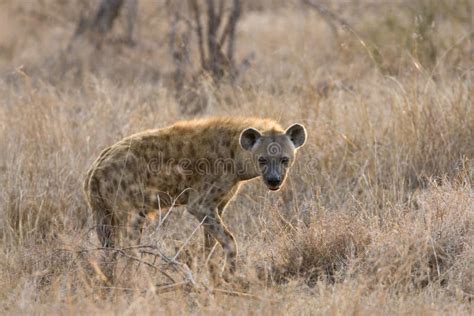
<point x="273" y="187"/>
<point x="273" y="184"/>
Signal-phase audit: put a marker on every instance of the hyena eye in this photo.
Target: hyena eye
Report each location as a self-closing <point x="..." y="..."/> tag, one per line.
<point x="285" y="160"/>
<point x="262" y="160"/>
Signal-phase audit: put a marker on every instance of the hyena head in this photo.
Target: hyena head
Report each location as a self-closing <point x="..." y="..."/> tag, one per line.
<point x="273" y="154"/>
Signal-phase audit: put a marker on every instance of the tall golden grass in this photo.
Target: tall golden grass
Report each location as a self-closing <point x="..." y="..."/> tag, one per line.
<point x="376" y="218"/>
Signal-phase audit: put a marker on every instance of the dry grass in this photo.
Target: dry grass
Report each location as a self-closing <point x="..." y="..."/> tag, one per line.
<point x="377" y="216"/>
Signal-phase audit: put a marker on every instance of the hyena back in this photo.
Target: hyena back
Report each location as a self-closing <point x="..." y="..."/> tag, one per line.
<point x="198" y="163"/>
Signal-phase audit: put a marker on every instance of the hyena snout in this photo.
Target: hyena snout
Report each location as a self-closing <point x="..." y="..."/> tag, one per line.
<point x="273" y="183"/>
<point x="273" y="180"/>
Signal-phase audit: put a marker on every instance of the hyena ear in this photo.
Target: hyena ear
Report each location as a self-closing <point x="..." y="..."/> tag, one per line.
<point x="297" y="134"/>
<point x="249" y="137"/>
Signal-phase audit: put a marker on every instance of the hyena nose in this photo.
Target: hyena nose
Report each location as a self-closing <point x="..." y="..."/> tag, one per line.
<point x="274" y="181"/>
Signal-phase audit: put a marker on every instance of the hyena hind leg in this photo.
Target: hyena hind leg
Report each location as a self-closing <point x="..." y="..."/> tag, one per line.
<point x="106" y="230"/>
<point x="107" y="233"/>
<point x="136" y="227"/>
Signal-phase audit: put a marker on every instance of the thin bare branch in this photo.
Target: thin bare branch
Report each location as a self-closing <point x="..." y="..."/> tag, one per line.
<point x="212" y="38"/>
<point x="327" y="14"/>
<point x="229" y="30"/>
<point x="131" y="16"/>
<point x="179" y="47"/>
<point x="239" y="294"/>
<point x="108" y="11"/>
<point x="236" y="11"/>
<point x="197" y="17"/>
<point x="171" y="287"/>
<point x="220" y="13"/>
<point x="189" y="238"/>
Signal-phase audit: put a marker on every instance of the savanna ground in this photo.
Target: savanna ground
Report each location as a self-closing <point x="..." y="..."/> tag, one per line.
<point x="376" y="218"/>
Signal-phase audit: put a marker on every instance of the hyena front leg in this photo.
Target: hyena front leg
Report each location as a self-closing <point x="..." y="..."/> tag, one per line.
<point x="209" y="241"/>
<point x="215" y="230"/>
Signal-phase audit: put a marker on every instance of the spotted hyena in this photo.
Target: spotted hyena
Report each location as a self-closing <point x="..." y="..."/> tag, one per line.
<point x="198" y="163"/>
